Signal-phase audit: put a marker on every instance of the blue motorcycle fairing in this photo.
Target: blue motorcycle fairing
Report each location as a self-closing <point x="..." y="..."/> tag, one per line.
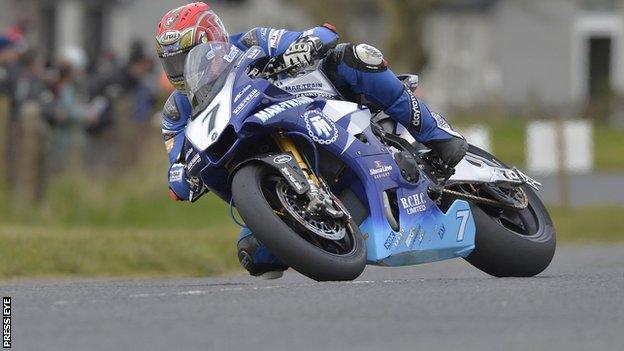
<point x="425" y="233"/>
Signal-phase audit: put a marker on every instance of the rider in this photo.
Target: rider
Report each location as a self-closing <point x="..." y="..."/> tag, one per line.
<point x="359" y="72"/>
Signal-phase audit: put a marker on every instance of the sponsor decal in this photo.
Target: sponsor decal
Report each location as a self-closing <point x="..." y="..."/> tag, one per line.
<point x="187" y="155"/>
<point x="420" y="235"/>
<point x="304" y="86"/>
<point x="169" y="37"/>
<point x="397" y="240"/>
<point x="253" y="53"/>
<point x="281" y="159"/>
<point x="441" y="231"/>
<point x="232" y="54"/>
<point x="369" y="55"/>
<point x="175" y="175"/>
<point x="393" y="239"/>
<point x="443" y="124"/>
<point x="210" y="54"/>
<point x="274" y="110"/>
<point x="414" y="203"/>
<point x="263" y="33"/>
<point x="320" y="128"/>
<point x="410" y="237"/>
<point x="194" y="161"/>
<point x="274" y="38"/>
<point x="416" y="114"/>
<point x="307" y="33"/>
<point x="170" y="20"/>
<point x="254" y="94"/>
<point x="286" y="172"/>
<point x="380" y="170"/>
<point x="242" y="92"/>
<point x="389" y="240"/>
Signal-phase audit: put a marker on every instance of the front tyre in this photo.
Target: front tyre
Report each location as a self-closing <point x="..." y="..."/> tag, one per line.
<point x="255" y="192"/>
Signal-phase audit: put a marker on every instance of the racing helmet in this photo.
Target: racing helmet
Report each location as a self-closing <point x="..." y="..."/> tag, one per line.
<point x="182" y="29"/>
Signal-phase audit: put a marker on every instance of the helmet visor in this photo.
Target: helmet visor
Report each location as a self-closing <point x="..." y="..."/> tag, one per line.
<point x="174" y="64"/>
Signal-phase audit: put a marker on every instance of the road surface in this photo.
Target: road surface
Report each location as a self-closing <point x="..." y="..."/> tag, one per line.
<point x="577" y="304"/>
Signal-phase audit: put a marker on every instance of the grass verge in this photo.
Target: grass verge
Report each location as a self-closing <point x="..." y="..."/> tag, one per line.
<point x="82" y="252"/>
<point x="36" y="252"/>
<point x="588" y="225"/>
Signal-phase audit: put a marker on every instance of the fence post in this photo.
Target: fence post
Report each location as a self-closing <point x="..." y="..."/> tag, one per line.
<point x="563" y="178"/>
<point x="4" y="122"/>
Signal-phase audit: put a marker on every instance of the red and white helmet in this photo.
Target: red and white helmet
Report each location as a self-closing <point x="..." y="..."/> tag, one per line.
<point x="182" y="29"/>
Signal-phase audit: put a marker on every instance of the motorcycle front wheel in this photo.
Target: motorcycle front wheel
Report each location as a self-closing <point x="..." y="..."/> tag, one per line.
<point x="261" y="197"/>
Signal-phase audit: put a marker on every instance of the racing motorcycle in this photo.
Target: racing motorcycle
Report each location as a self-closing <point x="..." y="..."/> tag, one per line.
<point x="329" y="186"/>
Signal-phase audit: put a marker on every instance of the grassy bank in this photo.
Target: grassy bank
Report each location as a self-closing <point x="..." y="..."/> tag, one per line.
<point x="589" y="225"/>
<point x="44" y="252"/>
<point x="35" y="251"/>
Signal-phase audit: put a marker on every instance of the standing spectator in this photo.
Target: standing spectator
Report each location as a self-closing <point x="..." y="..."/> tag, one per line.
<point x="29" y="130"/>
<point x="68" y="112"/>
<point x="127" y="98"/>
<point x="9" y="57"/>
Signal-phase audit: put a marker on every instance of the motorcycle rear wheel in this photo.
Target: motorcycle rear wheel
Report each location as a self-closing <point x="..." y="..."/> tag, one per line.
<point x="255" y="197"/>
<point x="512" y="243"/>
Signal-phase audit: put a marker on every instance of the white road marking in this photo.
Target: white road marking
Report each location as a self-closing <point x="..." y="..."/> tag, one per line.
<point x="227" y="289"/>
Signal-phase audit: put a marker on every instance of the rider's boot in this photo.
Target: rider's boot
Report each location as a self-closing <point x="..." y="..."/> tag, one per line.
<point x="257" y="259"/>
<point x="361" y="74"/>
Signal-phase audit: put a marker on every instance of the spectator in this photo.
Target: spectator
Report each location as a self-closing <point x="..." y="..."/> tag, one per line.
<point x="127" y="98"/>
<point x="8" y="71"/>
<point x="69" y="108"/>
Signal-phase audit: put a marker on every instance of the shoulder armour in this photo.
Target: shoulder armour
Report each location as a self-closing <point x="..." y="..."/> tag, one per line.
<point x="171" y="109"/>
<point x="369" y="56"/>
<point x="250" y="38"/>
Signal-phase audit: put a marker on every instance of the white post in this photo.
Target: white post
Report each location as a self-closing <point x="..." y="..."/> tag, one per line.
<point x="479" y="136"/>
<point x="69" y="25"/>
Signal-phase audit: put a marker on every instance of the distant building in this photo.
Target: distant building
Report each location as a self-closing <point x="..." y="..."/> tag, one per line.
<point x="554" y="54"/>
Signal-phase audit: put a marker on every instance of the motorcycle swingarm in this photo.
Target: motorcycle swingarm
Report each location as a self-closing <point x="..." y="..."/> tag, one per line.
<point x="473" y="169"/>
<point x="286" y="165"/>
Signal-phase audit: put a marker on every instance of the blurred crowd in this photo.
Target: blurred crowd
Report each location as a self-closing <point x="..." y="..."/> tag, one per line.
<point x="71" y="113"/>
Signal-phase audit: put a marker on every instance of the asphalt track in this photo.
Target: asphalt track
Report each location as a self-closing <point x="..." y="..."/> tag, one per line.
<point x="577" y="304"/>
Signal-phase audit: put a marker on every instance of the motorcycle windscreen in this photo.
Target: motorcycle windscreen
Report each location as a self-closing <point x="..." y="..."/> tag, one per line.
<point x="206" y="70"/>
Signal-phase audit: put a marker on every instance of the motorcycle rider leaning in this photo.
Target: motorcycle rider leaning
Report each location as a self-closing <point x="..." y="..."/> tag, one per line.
<point x="358" y="71"/>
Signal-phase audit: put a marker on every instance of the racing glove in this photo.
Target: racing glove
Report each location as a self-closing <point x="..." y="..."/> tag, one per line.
<point x="301" y="53"/>
<point x="182" y="187"/>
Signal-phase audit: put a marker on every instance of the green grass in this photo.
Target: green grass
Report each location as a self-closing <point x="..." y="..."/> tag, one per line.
<point x="589" y="225"/>
<point x="85" y="252"/>
<point x="36" y="252"/>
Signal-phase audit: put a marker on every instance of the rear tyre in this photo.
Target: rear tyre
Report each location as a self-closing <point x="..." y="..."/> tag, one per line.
<point x="255" y="196"/>
<point x="512" y="243"/>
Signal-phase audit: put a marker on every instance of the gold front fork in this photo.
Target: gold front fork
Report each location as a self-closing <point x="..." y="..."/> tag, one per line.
<point x="286" y="144"/>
